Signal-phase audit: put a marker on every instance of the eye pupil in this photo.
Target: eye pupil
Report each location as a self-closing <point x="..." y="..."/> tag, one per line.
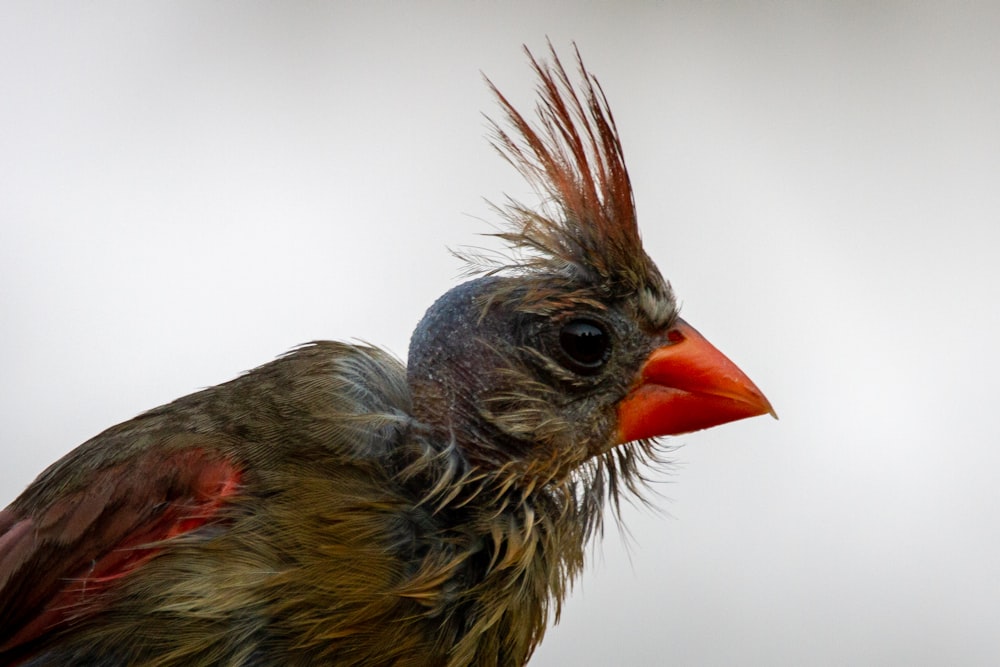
<point x="585" y="343"/>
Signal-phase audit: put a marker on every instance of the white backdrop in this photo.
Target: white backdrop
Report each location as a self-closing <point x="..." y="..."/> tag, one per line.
<point x="189" y="189"/>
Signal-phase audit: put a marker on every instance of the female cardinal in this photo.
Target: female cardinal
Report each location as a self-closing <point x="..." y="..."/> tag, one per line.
<point x="336" y="507"/>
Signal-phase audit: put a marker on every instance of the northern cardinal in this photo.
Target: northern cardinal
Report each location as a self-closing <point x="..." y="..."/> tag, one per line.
<point x="337" y="507"/>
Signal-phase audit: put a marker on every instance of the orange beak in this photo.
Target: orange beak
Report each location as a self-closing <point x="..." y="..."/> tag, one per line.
<point x="685" y="386"/>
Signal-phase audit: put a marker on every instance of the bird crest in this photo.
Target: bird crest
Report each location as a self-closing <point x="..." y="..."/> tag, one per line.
<point x="585" y="230"/>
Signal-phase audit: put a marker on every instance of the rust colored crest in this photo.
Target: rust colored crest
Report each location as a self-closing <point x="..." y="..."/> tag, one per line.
<point x="572" y="155"/>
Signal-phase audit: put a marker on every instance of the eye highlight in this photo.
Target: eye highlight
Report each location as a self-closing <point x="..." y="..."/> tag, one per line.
<point x="585" y="345"/>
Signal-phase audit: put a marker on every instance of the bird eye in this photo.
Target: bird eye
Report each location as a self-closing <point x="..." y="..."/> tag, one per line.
<point x="585" y="344"/>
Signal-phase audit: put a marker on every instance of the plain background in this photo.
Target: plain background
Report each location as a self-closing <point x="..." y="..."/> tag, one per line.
<point x="188" y="189"/>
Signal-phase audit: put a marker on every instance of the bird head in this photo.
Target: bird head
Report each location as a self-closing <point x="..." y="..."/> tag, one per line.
<point x="571" y="350"/>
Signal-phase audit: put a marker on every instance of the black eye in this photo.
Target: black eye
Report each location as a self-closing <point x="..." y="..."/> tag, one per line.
<point x="585" y="344"/>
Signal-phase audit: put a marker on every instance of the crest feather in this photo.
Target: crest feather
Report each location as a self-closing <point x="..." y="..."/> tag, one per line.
<point x="572" y="155"/>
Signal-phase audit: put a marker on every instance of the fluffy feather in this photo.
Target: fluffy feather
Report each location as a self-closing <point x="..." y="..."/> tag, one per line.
<point x="336" y="507"/>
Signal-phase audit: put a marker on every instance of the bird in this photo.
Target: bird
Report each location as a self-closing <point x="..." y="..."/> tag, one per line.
<point x="337" y="506"/>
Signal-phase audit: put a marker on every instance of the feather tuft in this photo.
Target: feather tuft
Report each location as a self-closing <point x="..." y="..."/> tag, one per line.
<point x="585" y="226"/>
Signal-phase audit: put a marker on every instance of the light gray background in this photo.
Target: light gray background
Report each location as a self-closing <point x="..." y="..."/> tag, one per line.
<point x="189" y="189"/>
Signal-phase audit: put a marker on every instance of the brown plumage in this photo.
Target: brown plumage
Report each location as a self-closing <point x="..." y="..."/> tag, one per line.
<point x="336" y="507"/>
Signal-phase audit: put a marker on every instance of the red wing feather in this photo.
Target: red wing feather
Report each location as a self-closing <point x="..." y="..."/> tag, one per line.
<point x="57" y="561"/>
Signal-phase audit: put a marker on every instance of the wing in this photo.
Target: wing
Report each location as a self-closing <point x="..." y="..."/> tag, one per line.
<point x="194" y="467"/>
<point x="59" y="558"/>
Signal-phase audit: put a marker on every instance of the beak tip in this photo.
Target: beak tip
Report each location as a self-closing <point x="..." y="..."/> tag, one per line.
<point x="768" y="409"/>
<point x="765" y="405"/>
